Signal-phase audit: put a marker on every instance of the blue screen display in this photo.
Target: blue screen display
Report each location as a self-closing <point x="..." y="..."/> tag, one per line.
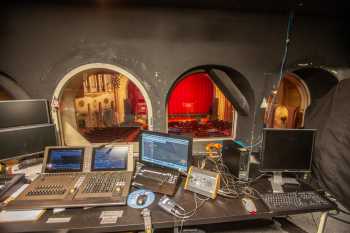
<point x="65" y="160"/>
<point x="165" y="151"/>
<point x="114" y="158"/>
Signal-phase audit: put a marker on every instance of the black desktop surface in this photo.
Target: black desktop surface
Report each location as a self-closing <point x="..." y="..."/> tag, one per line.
<point x="23" y="112"/>
<point x="220" y="210"/>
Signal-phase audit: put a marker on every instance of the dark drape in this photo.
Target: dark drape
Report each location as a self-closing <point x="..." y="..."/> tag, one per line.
<point x="331" y="163"/>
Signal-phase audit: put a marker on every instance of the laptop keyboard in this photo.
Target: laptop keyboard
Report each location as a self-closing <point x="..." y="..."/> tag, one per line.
<point x="160" y="176"/>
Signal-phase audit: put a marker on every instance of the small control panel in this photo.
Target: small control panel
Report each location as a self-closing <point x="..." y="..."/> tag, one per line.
<point x="202" y="181"/>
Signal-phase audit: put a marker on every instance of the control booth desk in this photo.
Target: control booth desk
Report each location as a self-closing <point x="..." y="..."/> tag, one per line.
<point x="220" y="210"/>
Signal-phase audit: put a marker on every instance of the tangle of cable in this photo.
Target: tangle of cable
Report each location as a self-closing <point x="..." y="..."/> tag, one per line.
<point x="231" y="186"/>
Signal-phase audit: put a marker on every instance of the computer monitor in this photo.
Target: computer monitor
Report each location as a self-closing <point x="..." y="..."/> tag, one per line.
<point x="70" y="159"/>
<point x="165" y="150"/>
<point x="26" y="141"/>
<point x="16" y="113"/>
<point x="287" y="150"/>
<point x="110" y="159"/>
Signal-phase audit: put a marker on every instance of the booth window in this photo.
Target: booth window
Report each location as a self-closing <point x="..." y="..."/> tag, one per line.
<point x="198" y="108"/>
<point x="102" y="106"/>
<point x="296" y="91"/>
<point x="291" y="100"/>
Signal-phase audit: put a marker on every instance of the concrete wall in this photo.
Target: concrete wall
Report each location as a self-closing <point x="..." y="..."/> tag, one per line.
<point x="39" y="44"/>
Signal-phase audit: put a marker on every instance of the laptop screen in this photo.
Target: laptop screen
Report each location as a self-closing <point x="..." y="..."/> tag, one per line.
<point x="166" y="150"/>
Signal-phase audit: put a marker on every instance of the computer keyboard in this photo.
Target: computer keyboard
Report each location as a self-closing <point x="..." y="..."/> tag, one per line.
<point x="294" y="201"/>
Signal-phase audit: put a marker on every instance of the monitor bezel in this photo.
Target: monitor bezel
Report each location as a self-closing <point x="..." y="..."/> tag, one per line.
<point x="47" y="155"/>
<point x="261" y="169"/>
<point x="9" y="157"/>
<point x="49" y="121"/>
<point x="189" y="153"/>
<point x="93" y="154"/>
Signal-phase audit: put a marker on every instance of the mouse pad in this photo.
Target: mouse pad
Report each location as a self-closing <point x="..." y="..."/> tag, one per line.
<point x="132" y="198"/>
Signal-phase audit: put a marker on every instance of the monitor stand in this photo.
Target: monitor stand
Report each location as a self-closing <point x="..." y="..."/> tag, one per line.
<point x="277" y="181"/>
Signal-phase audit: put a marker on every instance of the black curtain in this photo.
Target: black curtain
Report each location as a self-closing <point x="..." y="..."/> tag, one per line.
<point x="331" y="164"/>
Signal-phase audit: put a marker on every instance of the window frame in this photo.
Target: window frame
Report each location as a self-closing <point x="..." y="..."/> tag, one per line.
<point x="58" y="92"/>
<point x="235" y="113"/>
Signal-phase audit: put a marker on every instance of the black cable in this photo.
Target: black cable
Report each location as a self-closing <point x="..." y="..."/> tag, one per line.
<point x="343" y="211"/>
<point x="313" y="219"/>
<point x="339" y="219"/>
<point x="284" y="58"/>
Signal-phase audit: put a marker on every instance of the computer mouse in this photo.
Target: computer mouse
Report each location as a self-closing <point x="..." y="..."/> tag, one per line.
<point x="249" y="205"/>
<point x="141" y="200"/>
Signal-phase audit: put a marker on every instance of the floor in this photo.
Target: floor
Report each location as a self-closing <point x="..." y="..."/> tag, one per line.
<point x="308" y="223"/>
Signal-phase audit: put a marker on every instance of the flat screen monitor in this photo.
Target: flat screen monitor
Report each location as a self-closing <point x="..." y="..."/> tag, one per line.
<point x="16" y="113"/>
<point x="64" y="160"/>
<point x="26" y="141"/>
<point x="165" y="150"/>
<point x="287" y="150"/>
<point x="110" y="159"/>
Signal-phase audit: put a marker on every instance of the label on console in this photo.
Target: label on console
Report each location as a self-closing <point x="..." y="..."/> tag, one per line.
<point x="106" y="214"/>
<point x="109" y="220"/>
<point x="58" y="220"/>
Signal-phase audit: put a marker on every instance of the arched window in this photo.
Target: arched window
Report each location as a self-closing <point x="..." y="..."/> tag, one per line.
<point x="197" y="107"/>
<point x="290" y="102"/>
<point x="100" y="104"/>
<point x="295" y="93"/>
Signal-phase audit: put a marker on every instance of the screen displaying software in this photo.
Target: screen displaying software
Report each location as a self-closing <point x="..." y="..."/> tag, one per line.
<point x="165" y="151"/>
<point x="69" y="160"/>
<point x="114" y="158"/>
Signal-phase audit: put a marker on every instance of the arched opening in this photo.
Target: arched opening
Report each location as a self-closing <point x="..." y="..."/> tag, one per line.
<point x="290" y="103"/>
<point x="318" y="80"/>
<point x="296" y="92"/>
<point x="100" y="103"/>
<point x="196" y="107"/>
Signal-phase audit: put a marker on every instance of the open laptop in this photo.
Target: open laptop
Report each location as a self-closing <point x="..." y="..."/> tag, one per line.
<point x="164" y="158"/>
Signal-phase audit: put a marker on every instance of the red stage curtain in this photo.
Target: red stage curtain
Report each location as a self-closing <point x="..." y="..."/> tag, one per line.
<point x="192" y="95"/>
<point x="137" y="101"/>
